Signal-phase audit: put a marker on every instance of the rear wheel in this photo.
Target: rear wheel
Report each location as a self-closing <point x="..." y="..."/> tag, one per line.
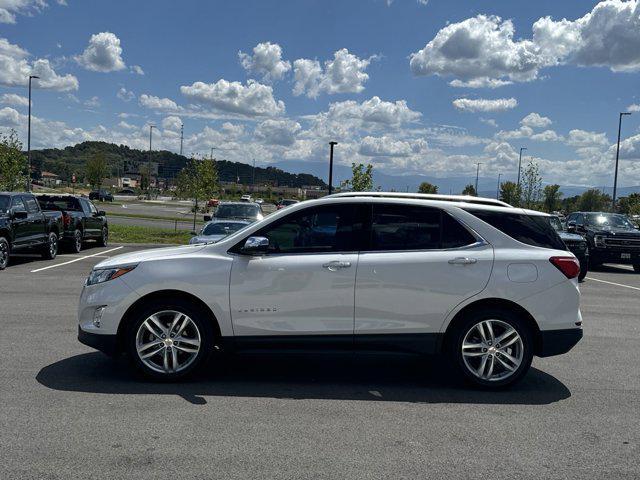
<point x="50" y="250"/>
<point x="76" y="242"/>
<point x="5" y="250"/>
<point x="492" y="348"/>
<point x="104" y="237"/>
<point x="169" y="341"/>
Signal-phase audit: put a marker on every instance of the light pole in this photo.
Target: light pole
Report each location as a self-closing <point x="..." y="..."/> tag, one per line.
<point x="331" y="145"/>
<point x="615" y="177"/>
<point x="498" y="189"/>
<point x="477" y="174"/>
<point x="520" y="163"/>
<point x="31" y="77"/>
<point x="181" y="137"/>
<point x="151" y="127"/>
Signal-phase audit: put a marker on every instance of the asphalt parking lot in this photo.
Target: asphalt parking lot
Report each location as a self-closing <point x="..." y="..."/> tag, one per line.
<point x="68" y="412"/>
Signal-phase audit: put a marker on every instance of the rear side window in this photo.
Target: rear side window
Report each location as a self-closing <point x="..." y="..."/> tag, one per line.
<point x="535" y="230"/>
<point x="31" y="204"/>
<point x="403" y="227"/>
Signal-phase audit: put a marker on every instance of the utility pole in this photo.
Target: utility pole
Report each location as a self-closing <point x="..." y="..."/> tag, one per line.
<point x="253" y="175"/>
<point x="477" y="174"/>
<point x="520" y="163"/>
<point x="331" y="145"/>
<point x="212" y="149"/>
<point x="181" y="137"/>
<point x="615" y="177"/>
<point x="151" y="127"/>
<point x="31" y="77"/>
<point x="498" y="189"/>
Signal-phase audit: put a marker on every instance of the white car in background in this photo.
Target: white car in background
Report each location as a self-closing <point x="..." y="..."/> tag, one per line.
<point x="488" y="286"/>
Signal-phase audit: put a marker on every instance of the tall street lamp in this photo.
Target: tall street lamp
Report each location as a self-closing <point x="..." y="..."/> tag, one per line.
<point x="31" y="77"/>
<point x="151" y="127"/>
<point x="477" y="174"/>
<point x="498" y="189"/>
<point x="331" y="145"/>
<point x="181" y="137"/>
<point x="615" y="178"/>
<point x="520" y="163"/>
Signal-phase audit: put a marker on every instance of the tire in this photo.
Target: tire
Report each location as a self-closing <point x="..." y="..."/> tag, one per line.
<point x="584" y="268"/>
<point x="50" y="250"/>
<point x="5" y="253"/>
<point x="104" y="237"/>
<point x="144" y="338"/>
<point x="636" y="267"/>
<point x="517" y="355"/>
<point x="75" y="245"/>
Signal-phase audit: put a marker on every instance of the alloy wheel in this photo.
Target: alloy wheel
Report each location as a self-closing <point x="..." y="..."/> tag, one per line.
<point x="492" y="350"/>
<point x="168" y="342"/>
<point x="53" y="245"/>
<point x="78" y="240"/>
<point x="4" y="254"/>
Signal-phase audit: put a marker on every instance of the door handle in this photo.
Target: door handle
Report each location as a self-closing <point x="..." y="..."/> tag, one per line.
<point x="463" y="261"/>
<point x="336" y="265"/>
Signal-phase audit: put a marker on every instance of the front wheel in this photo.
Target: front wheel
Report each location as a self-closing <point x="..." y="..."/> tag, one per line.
<point x="5" y="250"/>
<point x="492" y="348"/>
<point x="169" y="341"/>
<point x="50" y="250"/>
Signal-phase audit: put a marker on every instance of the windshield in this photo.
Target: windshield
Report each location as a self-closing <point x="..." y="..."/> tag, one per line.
<point x="556" y="224"/>
<point x="5" y="202"/>
<point x="238" y="211"/>
<point x="608" y="220"/>
<point x="222" y="228"/>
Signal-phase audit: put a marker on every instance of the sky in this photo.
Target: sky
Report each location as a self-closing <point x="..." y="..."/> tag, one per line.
<point x="428" y="87"/>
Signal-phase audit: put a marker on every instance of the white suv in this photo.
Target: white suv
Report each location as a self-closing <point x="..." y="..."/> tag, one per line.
<point x="488" y="286"/>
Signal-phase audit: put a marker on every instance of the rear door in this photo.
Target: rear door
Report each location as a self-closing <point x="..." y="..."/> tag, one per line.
<point x="420" y="263"/>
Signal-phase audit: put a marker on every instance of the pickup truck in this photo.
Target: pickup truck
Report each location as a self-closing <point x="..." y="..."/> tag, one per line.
<point x="81" y="219"/>
<point x="611" y="238"/>
<point x="25" y="227"/>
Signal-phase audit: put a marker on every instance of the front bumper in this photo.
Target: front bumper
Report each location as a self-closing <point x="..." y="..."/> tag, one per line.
<point x="615" y="255"/>
<point x="105" y="343"/>
<point x="557" y="342"/>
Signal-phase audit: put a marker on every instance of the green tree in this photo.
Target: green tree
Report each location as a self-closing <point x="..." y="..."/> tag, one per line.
<point x="594" y="200"/>
<point x="469" y="190"/>
<point x="96" y="169"/>
<point x="13" y="164"/>
<point x="630" y="205"/>
<point x="362" y="178"/>
<point x="198" y="180"/>
<point x="531" y="185"/>
<point x="510" y="193"/>
<point x="426" y="187"/>
<point x="551" y="198"/>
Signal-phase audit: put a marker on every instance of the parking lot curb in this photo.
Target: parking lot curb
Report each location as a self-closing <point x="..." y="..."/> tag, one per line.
<point x="148" y="245"/>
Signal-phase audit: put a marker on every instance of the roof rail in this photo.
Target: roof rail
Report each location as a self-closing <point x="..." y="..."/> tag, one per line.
<point x="427" y="196"/>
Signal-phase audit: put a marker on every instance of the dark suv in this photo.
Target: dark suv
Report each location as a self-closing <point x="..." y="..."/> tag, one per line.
<point x="101" y="195"/>
<point x="575" y="243"/>
<point x="611" y="237"/>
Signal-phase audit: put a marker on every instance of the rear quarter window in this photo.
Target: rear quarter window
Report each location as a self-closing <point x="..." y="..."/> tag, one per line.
<point x="535" y="230"/>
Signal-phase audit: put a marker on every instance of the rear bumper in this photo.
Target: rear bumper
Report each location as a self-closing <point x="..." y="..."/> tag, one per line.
<point x="105" y="343"/>
<point x="557" y="342"/>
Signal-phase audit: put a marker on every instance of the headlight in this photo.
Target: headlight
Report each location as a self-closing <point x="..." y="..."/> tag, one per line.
<point x="101" y="275"/>
<point x="599" y="241"/>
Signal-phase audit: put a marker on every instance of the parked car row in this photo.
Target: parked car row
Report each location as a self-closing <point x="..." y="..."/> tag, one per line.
<point x="42" y="223"/>
<point x="228" y="218"/>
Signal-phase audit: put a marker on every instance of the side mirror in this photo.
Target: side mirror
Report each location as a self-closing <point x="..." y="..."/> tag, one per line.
<point x="255" y="245"/>
<point x="101" y="213"/>
<point x="571" y="226"/>
<point x="207" y="218"/>
<point x="20" y="214"/>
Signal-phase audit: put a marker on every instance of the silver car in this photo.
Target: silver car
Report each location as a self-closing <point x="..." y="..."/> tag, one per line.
<point x="216" y="230"/>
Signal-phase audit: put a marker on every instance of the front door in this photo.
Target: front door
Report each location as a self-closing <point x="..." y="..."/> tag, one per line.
<point x="304" y="285"/>
<point x="420" y="264"/>
<point x="21" y="228"/>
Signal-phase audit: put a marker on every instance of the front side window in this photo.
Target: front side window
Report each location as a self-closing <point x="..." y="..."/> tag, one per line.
<point x="92" y="208"/>
<point x="18" y="205"/>
<point x="31" y="204"/>
<point x="331" y="228"/>
<point x="5" y="203"/>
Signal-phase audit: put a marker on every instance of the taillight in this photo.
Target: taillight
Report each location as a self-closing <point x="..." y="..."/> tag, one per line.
<point x="66" y="219"/>
<point x="567" y="265"/>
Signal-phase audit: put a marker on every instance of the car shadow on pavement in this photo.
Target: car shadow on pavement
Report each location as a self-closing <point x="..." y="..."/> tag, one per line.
<point x="372" y="378"/>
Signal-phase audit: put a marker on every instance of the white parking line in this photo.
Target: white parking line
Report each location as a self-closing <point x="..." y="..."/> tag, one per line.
<point x="76" y="260"/>
<point x="612" y="283"/>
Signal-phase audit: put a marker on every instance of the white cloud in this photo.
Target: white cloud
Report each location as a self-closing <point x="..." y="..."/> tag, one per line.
<point x="103" y="54"/>
<point x="583" y="138"/>
<point x="126" y="126"/>
<point x="485" y="105"/>
<point x="374" y="110"/>
<point x="156" y="103"/>
<point x="522" y="132"/>
<point x="252" y="99"/>
<point x="633" y="108"/>
<point x="481" y="51"/>
<point x="13" y="99"/>
<point x="489" y="121"/>
<point x="93" y="102"/>
<point x="15" y="68"/>
<point x="125" y="95"/>
<point x="389" y="147"/>
<point x="172" y="123"/>
<point x="278" y="131"/>
<point x="547" y="136"/>
<point x="137" y="69"/>
<point x="535" y="120"/>
<point x="344" y="74"/>
<point x="266" y="61"/>
<point x="9" y="117"/>
<point x="10" y="8"/>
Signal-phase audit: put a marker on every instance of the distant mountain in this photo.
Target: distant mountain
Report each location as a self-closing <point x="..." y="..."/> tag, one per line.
<point x="124" y="160"/>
